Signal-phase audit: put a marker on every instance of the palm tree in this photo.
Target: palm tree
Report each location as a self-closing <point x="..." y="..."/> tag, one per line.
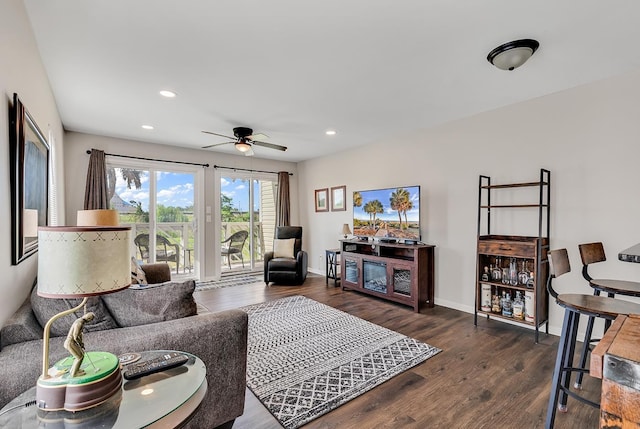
<point x="401" y="201"/>
<point x="130" y="175"/>
<point x="373" y="208"/>
<point x="408" y="205"/>
<point x="357" y="199"/>
<point x="398" y="200"/>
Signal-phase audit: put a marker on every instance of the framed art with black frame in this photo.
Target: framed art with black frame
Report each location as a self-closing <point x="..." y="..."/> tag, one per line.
<point x="29" y="181"/>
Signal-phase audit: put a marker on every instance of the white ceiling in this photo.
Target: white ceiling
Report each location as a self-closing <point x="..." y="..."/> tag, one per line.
<point x="291" y="69"/>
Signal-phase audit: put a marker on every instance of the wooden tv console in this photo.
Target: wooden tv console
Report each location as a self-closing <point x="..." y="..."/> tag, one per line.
<point x="398" y="272"/>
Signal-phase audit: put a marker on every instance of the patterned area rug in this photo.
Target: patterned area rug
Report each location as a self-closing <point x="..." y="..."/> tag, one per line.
<point x="306" y="358"/>
<point x="230" y="281"/>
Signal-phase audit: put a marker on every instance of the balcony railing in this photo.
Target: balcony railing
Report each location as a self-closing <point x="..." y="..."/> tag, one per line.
<point x="183" y="234"/>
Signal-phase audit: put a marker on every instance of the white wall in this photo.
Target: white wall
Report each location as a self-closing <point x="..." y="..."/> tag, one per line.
<point x="76" y="145"/>
<point x="21" y="71"/>
<point x="586" y="136"/>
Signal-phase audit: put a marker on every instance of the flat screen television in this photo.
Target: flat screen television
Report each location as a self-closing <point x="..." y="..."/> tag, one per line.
<point x="387" y="213"/>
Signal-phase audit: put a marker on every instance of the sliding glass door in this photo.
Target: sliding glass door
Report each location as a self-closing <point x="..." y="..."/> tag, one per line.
<point x="160" y="206"/>
<point x="247" y="220"/>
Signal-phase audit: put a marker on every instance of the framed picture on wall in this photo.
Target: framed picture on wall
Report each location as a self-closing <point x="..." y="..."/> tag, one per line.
<point x="322" y="200"/>
<point x="338" y="198"/>
<point x="29" y="181"/>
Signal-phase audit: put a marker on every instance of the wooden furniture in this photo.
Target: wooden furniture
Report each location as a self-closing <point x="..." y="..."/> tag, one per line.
<point x="331" y="266"/>
<point x="616" y="360"/>
<point x="401" y="273"/>
<point x="165" y="399"/>
<point x="592" y="253"/>
<point x="575" y="305"/>
<point x="529" y="253"/>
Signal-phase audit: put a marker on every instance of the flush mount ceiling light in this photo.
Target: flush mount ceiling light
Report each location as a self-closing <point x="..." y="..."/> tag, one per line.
<point x="167" y="93"/>
<point x="512" y="55"/>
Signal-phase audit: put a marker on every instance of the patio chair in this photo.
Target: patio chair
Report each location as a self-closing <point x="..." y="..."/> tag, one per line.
<point x="166" y="251"/>
<point x="234" y="245"/>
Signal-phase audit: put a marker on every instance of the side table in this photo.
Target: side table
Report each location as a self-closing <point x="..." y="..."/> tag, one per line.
<point x="164" y="399"/>
<point x="332" y="264"/>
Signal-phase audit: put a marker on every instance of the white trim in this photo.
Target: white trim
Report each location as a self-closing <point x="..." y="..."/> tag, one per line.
<point x="198" y="195"/>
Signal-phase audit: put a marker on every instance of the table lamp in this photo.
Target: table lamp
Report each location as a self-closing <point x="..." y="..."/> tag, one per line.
<point x="98" y="217"/>
<point x="79" y="262"/>
<point x="346" y="230"/>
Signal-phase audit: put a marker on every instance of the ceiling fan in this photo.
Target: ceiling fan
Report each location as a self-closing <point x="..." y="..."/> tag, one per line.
<point x="244" y="139"/>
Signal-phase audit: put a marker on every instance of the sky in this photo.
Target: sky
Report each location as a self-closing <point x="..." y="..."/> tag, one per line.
<point x="176" y="190"/>
<point x="173" y="189"/>
<point x="238" y="191"/>
<point x="383" y="195"/>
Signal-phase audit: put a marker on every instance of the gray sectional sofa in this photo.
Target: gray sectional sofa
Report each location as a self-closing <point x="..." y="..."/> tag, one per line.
<point x="219" y="339"/>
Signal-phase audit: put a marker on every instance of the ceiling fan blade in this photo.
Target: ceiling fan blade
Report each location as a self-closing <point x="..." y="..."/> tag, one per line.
<point x="269" y="145"/>
<point x="216" y="144"/>
<point x="219" y="135"/>
<point x="258" y="136"/>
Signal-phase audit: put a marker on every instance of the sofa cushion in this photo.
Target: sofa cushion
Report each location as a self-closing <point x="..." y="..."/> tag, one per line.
<point x="138" y="275"/>
<point x="21" y="326"/>
<point x="144" y="304"/>
<point x="45" y="308"/>
<point x="283" y="247"/>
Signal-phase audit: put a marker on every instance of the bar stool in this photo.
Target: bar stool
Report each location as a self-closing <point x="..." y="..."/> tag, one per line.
<point x="574" y="305"/>
<point x="592" y="253"/>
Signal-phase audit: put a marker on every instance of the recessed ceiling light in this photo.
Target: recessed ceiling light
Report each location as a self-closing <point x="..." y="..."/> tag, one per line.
<point x="167" y="93"/>
<point x="330" y="132"/>
<point x="147" y="127"/>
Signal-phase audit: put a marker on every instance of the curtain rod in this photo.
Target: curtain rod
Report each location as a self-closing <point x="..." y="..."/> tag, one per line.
<point x="152" y="159"/>
<point x="246" y="169"/>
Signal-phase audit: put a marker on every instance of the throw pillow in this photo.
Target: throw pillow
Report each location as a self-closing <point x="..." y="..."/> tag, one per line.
<point x="46" y="308"/>
<point x="137" y="273"/>
<point x="283" y="247"/>
<point x="141" y="305"/>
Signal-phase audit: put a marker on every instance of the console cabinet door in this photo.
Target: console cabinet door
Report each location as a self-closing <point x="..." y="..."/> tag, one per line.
<point x="351" y="269"/>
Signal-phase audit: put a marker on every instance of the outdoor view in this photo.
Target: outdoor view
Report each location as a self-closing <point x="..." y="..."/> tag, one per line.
<point x="246" y="205"/>
<point x="174" y="201"/>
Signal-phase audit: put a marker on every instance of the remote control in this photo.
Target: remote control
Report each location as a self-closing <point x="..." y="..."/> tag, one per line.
<point x="166" y="361"/>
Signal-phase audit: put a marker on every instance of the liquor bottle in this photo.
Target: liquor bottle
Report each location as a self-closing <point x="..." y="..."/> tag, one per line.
<point x="495" y="302"/>
<point x="523" y="274"/>
<point x="507" y="306"/>
<point x="485" y="275"/>
<point x="531" y="281"/>
<point x="505" y="276"/>
<point x="518" y="307"/>
<point x="529" y="310"/>
<point x="485" y="297"/>
<point x="497" y="270"/>
<point x="513" y="272"/>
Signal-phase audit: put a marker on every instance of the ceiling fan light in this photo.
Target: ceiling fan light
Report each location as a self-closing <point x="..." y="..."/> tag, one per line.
<point x="511" y="55"/>
<point x="243" y="146"/>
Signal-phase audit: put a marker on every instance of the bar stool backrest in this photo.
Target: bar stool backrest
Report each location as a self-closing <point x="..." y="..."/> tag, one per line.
<point x="591" y="253"/>
<point x="558" y="265"/>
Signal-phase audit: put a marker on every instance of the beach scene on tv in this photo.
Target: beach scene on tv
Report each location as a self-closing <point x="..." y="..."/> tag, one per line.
<point x="391" y="212"/>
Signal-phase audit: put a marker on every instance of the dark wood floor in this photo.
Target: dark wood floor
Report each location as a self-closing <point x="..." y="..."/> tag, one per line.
<point x="489" y="376"/>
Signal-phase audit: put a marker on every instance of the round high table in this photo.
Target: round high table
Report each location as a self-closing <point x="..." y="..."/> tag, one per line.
<point x="165" y="399"/>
